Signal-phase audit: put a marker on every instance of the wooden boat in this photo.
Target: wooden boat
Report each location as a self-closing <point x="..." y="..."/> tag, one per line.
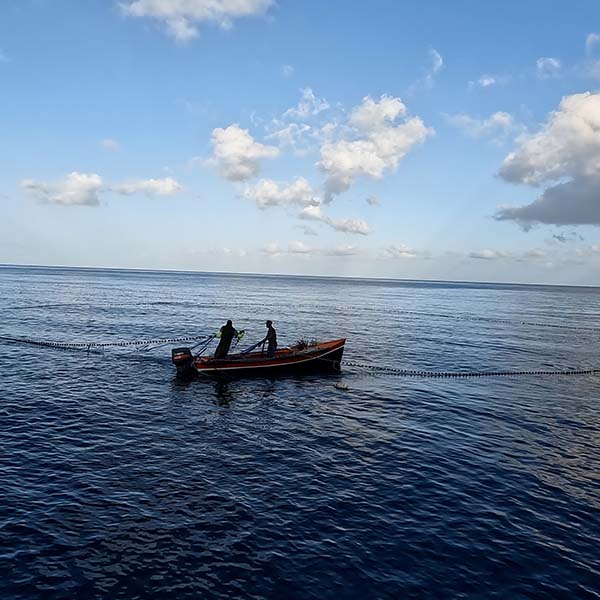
<point x="302" y="358"/>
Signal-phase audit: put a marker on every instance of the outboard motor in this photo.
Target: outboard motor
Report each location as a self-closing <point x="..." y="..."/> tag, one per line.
<point x="183" y="359"/>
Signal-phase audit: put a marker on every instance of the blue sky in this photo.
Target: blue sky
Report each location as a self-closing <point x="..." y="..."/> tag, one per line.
<point x="387" y="139"/>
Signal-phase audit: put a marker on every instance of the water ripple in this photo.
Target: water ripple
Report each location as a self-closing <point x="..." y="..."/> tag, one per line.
<point x="118" y="481"/>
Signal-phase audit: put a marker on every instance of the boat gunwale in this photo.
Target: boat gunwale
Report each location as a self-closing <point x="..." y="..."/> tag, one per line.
<point x="262" y="362"/>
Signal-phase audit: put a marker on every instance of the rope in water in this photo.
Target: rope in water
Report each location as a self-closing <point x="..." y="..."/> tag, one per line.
<point x="370" y="367"/>
<point x="117" y="344"/>
<point x="464" y="374"/>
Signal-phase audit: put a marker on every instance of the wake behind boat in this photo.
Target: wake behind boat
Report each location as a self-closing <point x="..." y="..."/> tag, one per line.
<point x="301" y="358"/>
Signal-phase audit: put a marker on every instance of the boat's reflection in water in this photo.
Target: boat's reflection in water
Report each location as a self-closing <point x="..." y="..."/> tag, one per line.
<point x="223" y="395"/>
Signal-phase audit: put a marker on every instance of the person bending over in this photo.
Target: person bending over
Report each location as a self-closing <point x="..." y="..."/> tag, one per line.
<point x="227" y="334"/>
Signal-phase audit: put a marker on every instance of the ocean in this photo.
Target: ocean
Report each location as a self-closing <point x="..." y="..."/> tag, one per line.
<point x="118" y="481"/>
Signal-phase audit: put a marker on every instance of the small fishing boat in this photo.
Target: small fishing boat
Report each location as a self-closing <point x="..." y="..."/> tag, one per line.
<point x="301" y="358"/>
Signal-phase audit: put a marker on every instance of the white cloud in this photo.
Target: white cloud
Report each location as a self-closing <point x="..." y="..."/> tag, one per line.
<point x="377" y="144"/>
<point x="223" y="251"/>
<point x="84" y="188"/>
<point x="353" y="226"/>
<point x="357" y="226"/>
<point x="373" y="201"/>
<point x="498" y="124"/>
<point x="437" y="62"/>
<point x="547" y="67"/>
<point x="75" y="189"/>
<point x="567" y="146"/>
<point x="427" y="81"/>
<point x="236" y="154"/>
<point x="271" y="249"/>
<point x="299" y="248"/>
<point x="293" y="247"/>
<point x="486" y="81"/>
<point x="289" y="135"/>
<point x="533" y="255"/>
<point x="401" y="251"/>
<point x="151" y="187"/>
<point x="110" y="144"/>
<point x="343" y="250"/>
<point x="486" y="254"/>
<point x="182" y="17"/>
<point x="267" y="193"/>
<point x="287" y="70"/>
<point x="377" y="116"/>
<point x="591" y="40"/>
<point x="309" y="105"/>
<point x="566" y="153"/>
<point x="296" y="247"/>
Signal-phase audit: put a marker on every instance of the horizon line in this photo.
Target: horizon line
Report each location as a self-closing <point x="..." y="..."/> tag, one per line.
<point x="299" y="275"/>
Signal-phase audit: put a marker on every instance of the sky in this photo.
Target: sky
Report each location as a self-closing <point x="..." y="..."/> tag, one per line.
<point x="426" y="140"/>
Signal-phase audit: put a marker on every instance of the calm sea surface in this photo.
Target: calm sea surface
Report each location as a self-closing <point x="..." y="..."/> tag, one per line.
<point x="119" y="482"/>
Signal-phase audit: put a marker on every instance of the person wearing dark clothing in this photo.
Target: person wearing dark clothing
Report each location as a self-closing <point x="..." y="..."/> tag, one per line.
<point x="227" y="334"/>
<point x="271" y="338"/>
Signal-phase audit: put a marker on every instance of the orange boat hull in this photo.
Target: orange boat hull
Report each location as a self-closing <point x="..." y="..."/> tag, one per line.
<point x="324" y="356"/>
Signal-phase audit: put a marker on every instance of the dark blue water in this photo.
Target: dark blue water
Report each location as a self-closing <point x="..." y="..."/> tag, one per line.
<point x="118" y="481"/>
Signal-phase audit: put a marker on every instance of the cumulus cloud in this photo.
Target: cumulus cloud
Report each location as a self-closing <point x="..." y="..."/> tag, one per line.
<point x="566" y="154"/>
<point x="236" y="154"/>
<point x="354" y="226"/>
<point x="182" y="17"/>
<point x="151" y="187"/>
<point x="575" y="202"/>
<point x="591" y="41"/>
<point x="299" y="248"/>
<point x="293" y="247"/>
<point x="308" y="106"/>
<point x="343" y="250"/>
<point x="486" y="81"/>
<point x="401" y="251"/>
<point x="84" y="188"/>
<point x="567" y="146"/>
<point x="75" y="189"/>
<point x="376" y="116"/>
<point x="289" y="134"/>
<point x="532" y="255"/>
<point x="486" y="254"/>
<point x="224" y="251"/>
<point x="547" y="67"/>
<point x="267" y="193"/>
<point x="377" y="144"/>
<point x="498" y="125"/>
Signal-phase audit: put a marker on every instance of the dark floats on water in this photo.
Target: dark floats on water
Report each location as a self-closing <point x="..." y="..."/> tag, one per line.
<point x="119" y="481"/>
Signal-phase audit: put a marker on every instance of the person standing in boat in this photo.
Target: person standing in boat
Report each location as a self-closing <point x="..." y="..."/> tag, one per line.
<point x="271" y="338"/>
<point x="228" y="332"/>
